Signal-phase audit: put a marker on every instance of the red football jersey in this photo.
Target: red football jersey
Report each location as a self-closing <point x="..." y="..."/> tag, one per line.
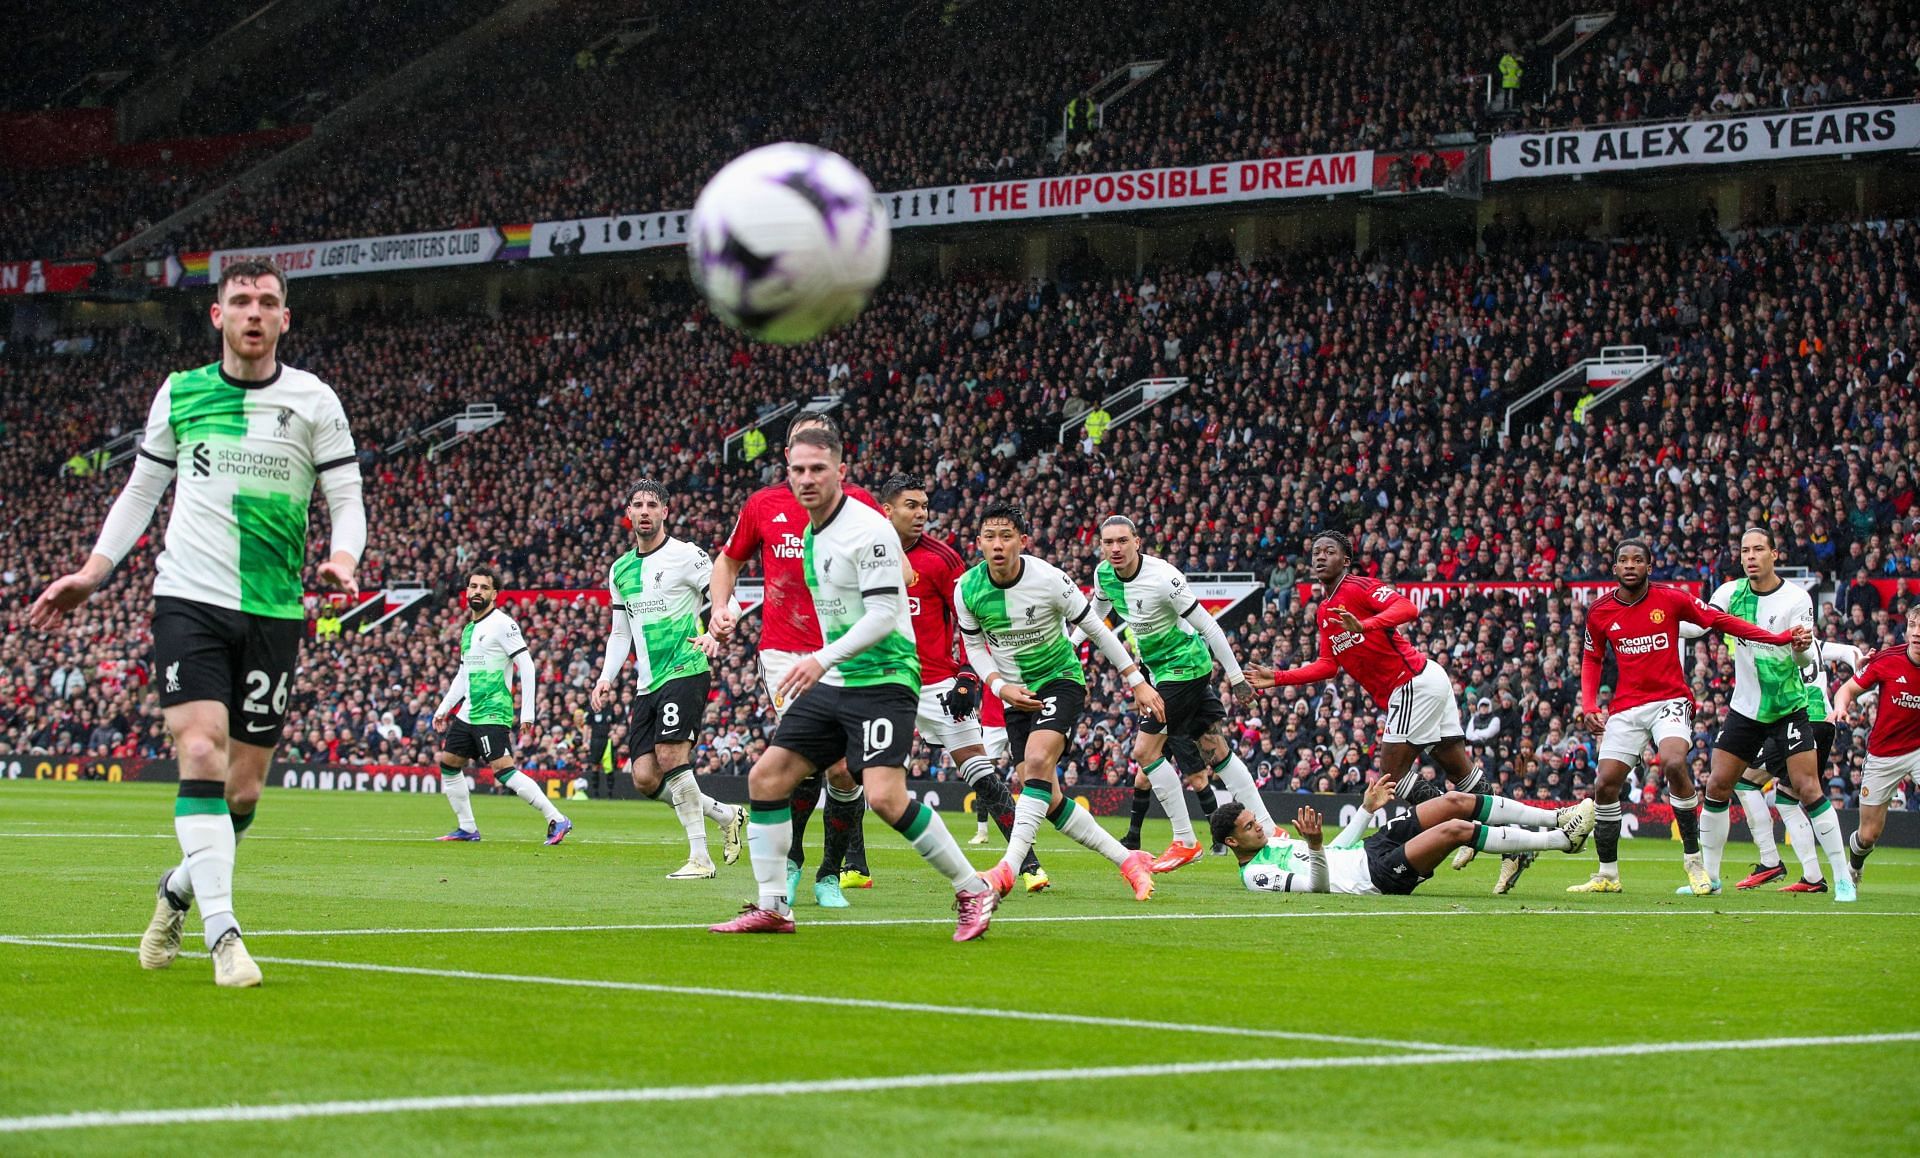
<point x="1896" y="722"/>
<point x="772" y="523"/>
<point x="1645" y="638"/>
<point x="1379" y="659"/>
<point x="933" y="568"/>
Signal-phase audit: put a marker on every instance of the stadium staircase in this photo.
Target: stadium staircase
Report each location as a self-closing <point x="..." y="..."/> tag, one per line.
<point x="1124" y="403"/>
<point x="452" y="430"/>
<point x="378" y="98"/>
<point x="1596" y="381"/>
<point x="1105" y="91"/>
<point x="773" y="424"/>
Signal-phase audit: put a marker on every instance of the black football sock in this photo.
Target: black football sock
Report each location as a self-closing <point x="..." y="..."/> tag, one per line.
<point x="1142" y="800"/>
<point x="805" y="799"/>
<point x="1686" y="817"/>
<point x="845" y="816"/>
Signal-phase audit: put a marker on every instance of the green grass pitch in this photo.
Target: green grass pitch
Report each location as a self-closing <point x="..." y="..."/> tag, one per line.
<point x="568" y="999"/>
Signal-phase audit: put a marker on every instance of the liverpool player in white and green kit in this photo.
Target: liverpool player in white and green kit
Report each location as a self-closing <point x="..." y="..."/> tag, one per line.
<point x="657" y="590"/>
<point x="244" y="441"/>
<point x="1178" y="642"/>
<point x="855" y="698"/>
<point x="1014" y="611"/>
<point x="1769" y="703"/>
<point x="482" y="729"/>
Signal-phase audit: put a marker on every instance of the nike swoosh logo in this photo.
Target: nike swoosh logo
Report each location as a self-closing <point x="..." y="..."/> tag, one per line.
<point x="259" y="727"/>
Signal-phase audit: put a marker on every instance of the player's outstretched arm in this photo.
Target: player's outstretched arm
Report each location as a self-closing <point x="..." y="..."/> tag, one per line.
<point x="126" y="521"/>
<point x="1843" y="701"/>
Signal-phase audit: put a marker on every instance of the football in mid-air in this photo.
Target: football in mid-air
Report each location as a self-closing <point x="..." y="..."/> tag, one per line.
<point x="787" y="242"/>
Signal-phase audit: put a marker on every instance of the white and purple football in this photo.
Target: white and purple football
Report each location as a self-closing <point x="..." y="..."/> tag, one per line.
<point x="787" y="242"/>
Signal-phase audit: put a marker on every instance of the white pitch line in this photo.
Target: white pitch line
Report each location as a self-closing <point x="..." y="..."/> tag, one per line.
<point x="1061" y="919"/>
<point x="341" y="1109"/>
<point x="800" y="999"/>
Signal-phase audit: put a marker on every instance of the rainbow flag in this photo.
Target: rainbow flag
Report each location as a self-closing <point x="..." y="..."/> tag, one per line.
<point x="515" y="242"/>
<point x="193" y="268"/>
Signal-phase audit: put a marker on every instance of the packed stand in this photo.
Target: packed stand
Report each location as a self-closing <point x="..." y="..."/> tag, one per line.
<point x="1779" y="405"/>
<point x="540" y="128"/>
<point x="1696" y="58"/>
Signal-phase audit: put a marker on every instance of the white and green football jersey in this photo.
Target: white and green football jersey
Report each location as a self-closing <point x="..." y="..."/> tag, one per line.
<point x="488" y="646"/>
<point x="1820" y="683"/>
<point x="1767" y="680"/>
<point x="659" y="595"/>
<point x="1281" y="867"/>
<point x="245" y="456"/>
<point x="1154" y="601"/>
<point x="1024" y="623"/>
<point x="855" y="555"/>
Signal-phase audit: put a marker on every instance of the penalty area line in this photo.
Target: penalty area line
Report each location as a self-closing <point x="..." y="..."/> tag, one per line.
<point x="340" y="1109"/>
<point x="800" y="999"/>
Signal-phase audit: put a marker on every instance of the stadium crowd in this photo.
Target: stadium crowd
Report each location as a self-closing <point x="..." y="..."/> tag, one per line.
<point x="1695" y="58"/>
<point x="560" y="119"/>
<point x="1325" y="391"/>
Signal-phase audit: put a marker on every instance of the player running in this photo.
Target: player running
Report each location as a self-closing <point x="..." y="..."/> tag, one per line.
<point x="949" y="705"/>
<point x="1893" y="746"/>
<point x="1178" y="643"/>
<point x="657" y="590"/>
<point x="1014" y="611"/>
<point x="855" y="698"/>
<point x="482" y="726"/>
<point x="244" y="440"/>
<point x="1403" y="854"/>
<point x="1359" y="618"/>
<point x="1769" y="708"/>
<point x="1640" y="622"/>
<point x="771" y="525"/>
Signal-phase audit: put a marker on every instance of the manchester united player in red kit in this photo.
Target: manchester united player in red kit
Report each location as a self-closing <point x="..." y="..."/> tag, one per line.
<point x="1640" y="622"/>
<point x="1359" y="618"/>
<point x="949" y="699"/>
<point x="770" y="525"/>
<point x="1893" y="747"/>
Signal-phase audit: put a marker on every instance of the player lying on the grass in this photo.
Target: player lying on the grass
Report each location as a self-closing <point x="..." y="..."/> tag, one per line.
<point x="477" y="713"/>
<point x="1178" y="643"/>
<point x="657" y="590"/>
<point x="1893" y="747"/>
<point x="853" y="699"/>
<point x="1014" y="611"/>
<point x="1769" y="707"/>
<point x="1408" y="847"/>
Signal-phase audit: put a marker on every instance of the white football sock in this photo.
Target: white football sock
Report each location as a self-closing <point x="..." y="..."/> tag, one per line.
<point x="768" y="842"/>
<point x="1233" y="773"/>
<point x="1078" y="824"/>
<point x="529" y="790"/>
<point x="1753" y="802"/>
<point x="1826" y="830"/>
<point x="459" y="794"/>
<point x="720" y="814"/>
<point x="1500" y="810"/>
<point x="928" y="835"/>
<point x="1028" y="811"/>
<point x="684" y="792"/>
<point x="207" y="839"/>
<point x="1806" y="849"/>
<point x="1716" y="824"/>
<point x="1507" y="838"/>
<point x="1173" y="799"/>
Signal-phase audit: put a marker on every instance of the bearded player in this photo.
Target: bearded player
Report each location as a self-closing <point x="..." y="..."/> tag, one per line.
<point x="771" y="525"/>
